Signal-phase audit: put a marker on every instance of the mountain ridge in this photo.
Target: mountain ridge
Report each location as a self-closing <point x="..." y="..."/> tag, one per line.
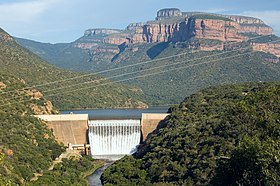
<point x="21" y="63"/>
<point x="200" y="35"/>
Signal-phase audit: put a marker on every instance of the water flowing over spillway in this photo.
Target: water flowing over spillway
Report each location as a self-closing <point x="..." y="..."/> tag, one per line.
<point x="112" y="139"/>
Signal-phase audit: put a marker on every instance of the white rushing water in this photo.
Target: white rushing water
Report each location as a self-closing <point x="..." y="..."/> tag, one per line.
<point x="112" y="139"/>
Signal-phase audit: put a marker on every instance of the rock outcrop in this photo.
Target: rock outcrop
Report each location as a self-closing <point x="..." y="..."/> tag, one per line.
<point x="2" y="85"/>
<point x="272" y="48"/>
<point x="168" y="12"/>
<point x="172" y="25"/>
<point x="4" y="36"/>
<point x="260" y="29"/>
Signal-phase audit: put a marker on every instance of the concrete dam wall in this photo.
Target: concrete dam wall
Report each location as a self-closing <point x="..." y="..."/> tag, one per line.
<point x="106" y="137"/>
<point x="149" y="122"/>
<point x="68" y="128"/>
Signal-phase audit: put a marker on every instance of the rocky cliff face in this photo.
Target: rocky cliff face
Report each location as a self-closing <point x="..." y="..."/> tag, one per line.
<point x="260" y="29"/>
<point x="272" y="48"/>
<point x="172" y="25"/>
<point x="182" y="31"/>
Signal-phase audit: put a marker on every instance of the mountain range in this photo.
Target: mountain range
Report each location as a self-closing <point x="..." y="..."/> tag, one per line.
<point x="226" y="135"/>
<point x="243" y="49"/>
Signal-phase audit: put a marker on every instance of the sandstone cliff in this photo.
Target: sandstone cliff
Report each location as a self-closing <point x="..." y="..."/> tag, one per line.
<point x="172" y="25"/>
<point x="272" y="48"/>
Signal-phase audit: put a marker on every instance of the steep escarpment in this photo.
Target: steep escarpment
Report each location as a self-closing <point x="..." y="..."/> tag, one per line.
<point x="155" y="32"/>
<point x="172" y="25"/>
<point x="206" y="49"/>
<point x="101" y="45"/>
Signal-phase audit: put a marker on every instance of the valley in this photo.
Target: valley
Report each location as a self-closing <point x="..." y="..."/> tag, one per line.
<point x="217" y="74"/>
<point x="143" y="53"/>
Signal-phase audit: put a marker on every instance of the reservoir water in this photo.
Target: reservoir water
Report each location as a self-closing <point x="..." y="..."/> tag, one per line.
<point x="99" y="114"/>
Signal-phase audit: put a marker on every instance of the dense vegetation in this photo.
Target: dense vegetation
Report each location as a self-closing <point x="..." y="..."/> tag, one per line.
<point x="71" y="171"/>
<point x="210" y="16"/>
<point x="196" y="70"/>
<point x="172" y="86"/>
<point x="227" y="135"/>
<point x="28" y="145"/>
<point x="63" y="89"/>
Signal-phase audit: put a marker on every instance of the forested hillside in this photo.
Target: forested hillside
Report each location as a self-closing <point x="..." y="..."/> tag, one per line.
<point x="228" y="135"/>
<point x="28" y="147"/>
<point x="27" y="144"/>
<point x="165" y="79"/>
<point x="60" y="86"/>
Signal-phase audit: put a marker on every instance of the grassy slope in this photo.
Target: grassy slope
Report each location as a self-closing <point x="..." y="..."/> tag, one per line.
<point x="204" y="128"/>
<point x="23" y="64"/>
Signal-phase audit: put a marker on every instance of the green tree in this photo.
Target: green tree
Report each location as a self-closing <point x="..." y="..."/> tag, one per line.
<point x="254" y="162"/>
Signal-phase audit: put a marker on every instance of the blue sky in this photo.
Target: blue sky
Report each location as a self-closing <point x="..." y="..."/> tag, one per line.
<point x="65" y="20"/>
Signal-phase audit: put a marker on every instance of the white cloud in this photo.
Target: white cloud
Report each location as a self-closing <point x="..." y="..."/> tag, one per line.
<point x="23" y="11"/>
<point x="271" y="18"/>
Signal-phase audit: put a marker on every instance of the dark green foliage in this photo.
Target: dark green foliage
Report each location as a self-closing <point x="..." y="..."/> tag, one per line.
<point x="131" y="173"/>
<point x="210" y="16"/>
<point x="68" y="172"/>
<point x="227" y="122"/>
<point x="254" y="162"/>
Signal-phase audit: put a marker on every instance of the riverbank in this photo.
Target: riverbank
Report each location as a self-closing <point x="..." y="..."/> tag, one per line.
<point x="94" y="179"/>
<point x="95" y="165"/>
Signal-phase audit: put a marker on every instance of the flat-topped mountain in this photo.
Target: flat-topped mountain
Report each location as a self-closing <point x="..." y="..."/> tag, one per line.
<point x="175" y="12"/>
<point x="172" y="25"/>
<point x="201" y="37"/>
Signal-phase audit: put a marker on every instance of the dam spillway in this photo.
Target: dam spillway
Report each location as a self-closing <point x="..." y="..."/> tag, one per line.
<point x="74" y="131"/>
<point x="112" y="139"/>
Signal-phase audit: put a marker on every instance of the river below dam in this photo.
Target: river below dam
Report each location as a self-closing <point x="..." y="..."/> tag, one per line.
<point x="94" y="179"/>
